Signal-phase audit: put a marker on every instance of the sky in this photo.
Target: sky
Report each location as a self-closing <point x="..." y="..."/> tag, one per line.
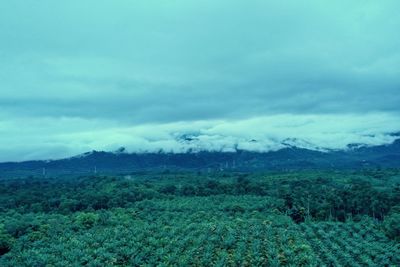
<point x="174" y="75"/>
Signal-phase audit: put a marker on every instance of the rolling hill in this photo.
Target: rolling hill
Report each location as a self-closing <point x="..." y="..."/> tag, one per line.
<point x="288" y="158"/>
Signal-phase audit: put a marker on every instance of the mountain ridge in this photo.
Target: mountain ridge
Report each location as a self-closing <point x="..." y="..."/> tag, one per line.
<point x="288" y="158"/>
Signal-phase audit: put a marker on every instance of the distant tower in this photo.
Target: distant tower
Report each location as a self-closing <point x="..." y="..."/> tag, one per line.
<point x="95" y="169"/>
<point x="44" y="172"/>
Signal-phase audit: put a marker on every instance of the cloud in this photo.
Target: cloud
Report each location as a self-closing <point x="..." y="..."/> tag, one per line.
<point x="113" y="67"/>
<point x="69" y="137"/>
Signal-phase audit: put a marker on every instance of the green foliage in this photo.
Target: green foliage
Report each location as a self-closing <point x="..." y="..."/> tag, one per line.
<point x="86" y="219"/>
<point x="189" y="219"/>
<point x="392" y="226"/>
<point x="6" y="241"/>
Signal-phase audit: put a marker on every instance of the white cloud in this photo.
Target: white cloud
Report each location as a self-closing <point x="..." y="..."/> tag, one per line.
<point x="77" y="76"/>
<point x="68" y="137"/>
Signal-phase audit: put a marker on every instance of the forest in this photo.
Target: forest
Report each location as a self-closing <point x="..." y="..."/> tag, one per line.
<point x="172" y="218"/>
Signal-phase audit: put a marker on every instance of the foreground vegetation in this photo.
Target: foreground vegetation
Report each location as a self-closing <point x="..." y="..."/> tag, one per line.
<point x="202" y="219"/>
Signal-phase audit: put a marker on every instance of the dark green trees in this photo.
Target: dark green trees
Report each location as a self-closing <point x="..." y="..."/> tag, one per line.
<point x="392" y="224"/>
<point x="6" y="241"/>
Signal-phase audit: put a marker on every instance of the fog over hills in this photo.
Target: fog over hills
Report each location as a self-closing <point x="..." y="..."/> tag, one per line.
<point x="199" y="133"/>
<point x="290" y="157"/>
<point x="67" y="137"/>
<point x="219" y="74"/>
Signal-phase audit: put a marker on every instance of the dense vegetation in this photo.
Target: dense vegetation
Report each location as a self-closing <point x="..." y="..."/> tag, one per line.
<point x="202" y="219"/>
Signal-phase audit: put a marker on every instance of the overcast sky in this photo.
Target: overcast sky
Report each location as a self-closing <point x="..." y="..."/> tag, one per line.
<point x="94" y="74"/>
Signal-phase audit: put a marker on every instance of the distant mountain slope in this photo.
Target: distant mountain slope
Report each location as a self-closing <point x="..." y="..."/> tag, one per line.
<point x="289" y="158"/>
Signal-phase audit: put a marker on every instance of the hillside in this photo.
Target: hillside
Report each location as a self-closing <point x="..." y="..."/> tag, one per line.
<point x="289" y="158"/>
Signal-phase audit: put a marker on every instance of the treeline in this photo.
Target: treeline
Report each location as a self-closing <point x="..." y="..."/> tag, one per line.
<point x="319" y="198"/>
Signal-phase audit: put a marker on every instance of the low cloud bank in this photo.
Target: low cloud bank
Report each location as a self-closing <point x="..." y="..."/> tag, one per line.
<point x="23" y="139"/>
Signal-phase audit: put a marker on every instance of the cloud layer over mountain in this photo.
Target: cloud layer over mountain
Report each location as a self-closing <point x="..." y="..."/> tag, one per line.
<point x="67" y="137"/>
<point x="83" y="75"/>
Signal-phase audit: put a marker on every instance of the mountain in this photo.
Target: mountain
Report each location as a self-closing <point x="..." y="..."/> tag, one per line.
<point x="288" y="158"/>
